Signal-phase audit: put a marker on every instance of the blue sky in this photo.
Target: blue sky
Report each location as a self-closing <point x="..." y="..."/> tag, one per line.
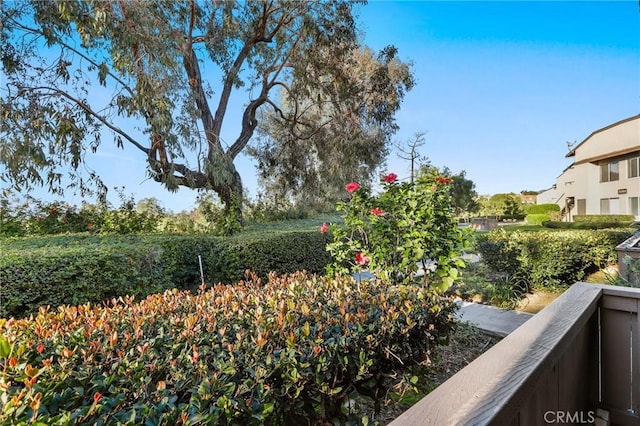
<point x="501" y="87"/>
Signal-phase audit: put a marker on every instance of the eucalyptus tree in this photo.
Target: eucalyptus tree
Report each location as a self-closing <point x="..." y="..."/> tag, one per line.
<point x="307" y="150"/>
<point x="158" y="77"/>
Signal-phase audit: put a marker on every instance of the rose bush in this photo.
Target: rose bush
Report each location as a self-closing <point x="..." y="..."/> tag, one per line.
<point x="406" y="227"/>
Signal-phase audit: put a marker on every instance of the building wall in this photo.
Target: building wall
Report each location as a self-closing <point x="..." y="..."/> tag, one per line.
<point x="609" y="141"/>
<point x="582" y="180"/>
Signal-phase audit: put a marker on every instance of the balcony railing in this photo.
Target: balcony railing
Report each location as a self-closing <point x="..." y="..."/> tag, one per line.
<point x="576" y="361"/>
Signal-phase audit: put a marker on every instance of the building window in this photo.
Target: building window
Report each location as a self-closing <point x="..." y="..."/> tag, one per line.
<point x="609" y="171"/>
<point x="634" y="206"/>
<point x="610" y="206"/>
<point x="633" y="167"/>
<point x="582" y="206"/>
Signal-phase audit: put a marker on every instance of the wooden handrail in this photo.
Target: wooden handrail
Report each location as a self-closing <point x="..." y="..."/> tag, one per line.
<point x="517" y="379"/>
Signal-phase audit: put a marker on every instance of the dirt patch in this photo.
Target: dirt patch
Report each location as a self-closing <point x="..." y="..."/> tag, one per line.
<point x="535" y="302"/>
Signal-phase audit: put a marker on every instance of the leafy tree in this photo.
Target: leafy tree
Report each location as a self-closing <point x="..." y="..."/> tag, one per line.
<point x="513" y="206"/>
<point x="502" y="204"/>
<point x="151" y="206"/>
<point x="75" y="70"/>
<point x="463" y="194"/>
<point x="308" y="149"/>
<point x="462" y="190"/>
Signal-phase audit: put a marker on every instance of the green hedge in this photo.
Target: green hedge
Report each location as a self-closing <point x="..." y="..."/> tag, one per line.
<point x="542" y="208"/>
<point x="606" y="218"/>
<point x="548" y="258"/>
<point x="584" y="225"/>
<point x="290" y="351"/>
<point x="537" y="218"/>
<point x="82" y="268"/>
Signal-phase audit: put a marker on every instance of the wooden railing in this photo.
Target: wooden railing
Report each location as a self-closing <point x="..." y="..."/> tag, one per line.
<point x="576" y="361"/>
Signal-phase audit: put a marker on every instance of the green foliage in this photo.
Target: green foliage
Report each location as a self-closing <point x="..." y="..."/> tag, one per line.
<point x="82" y="268"/>
<point x="284" y="252"/>
<point x="276" y="209"/>
<point x="288" y="351"/>
<point x="309" y="164"/>
<point x="537" y="218"/>
<point x="77" y="71"/>
<point x="463" y="191"/>
<point x="603" y="218"/>
<point x="479" y="284"/>
<point x="408" y="225"/>
<point x="127" y="219"/>
<point x="549" y="259"/>
<point x="632" y="278"/>
<point x="464" y="195"/>
<point x="512" y="206"/>
<point x="584" y="225"/>
<point x="542" y="208"/>
<point x="22" y="216"/>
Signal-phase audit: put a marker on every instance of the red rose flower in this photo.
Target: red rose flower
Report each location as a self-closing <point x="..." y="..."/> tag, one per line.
<point x="390" y="178"/>
<point x="40" y="348"/>
<point x="361" y="259"/>
<point x="324" y="228"/>
<point x="377" y="212"/>
<point x="97" y="397"/>
<point x="352" y="187"/>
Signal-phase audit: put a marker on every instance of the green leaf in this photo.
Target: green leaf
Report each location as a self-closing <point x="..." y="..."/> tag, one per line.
<point x="5" y="348"/>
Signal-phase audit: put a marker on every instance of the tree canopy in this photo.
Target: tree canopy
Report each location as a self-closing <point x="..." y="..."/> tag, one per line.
<point x="342" y="140"/>
<point x="158" y="77"/>
<point x="463" y="193"/>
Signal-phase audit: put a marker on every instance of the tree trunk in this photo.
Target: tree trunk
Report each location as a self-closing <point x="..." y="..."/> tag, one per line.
<point x="233" y="200"/>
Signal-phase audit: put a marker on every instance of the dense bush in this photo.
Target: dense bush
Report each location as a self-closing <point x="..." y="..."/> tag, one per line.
<point x="584" y="225"/>
<point x="276" y="210"/>
<point x="282" y="253"/>
<point x="406" y="225"/>
<point x="608" y="218"/>
<point x="29" y="216"/>
<point x="537" y="218"/>
<point x="550" y="258"/>
<point x="76" y="269"/>
<point x="289" y="351"/>
<point x="542" y="208"/>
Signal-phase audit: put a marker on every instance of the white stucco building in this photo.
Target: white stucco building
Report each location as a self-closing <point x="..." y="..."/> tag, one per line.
<point x="605" y="175"/>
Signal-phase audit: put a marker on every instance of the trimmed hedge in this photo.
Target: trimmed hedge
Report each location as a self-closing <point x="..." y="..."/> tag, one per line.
<point x="605" y="218"/>
<point x="81" y="268"/>
<point x="537" y="219"/>
<point x="542" y="208"/>
<point x="548" y="258"/>
<point x="584" y="225"/>
<point x="289" y="351"/>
